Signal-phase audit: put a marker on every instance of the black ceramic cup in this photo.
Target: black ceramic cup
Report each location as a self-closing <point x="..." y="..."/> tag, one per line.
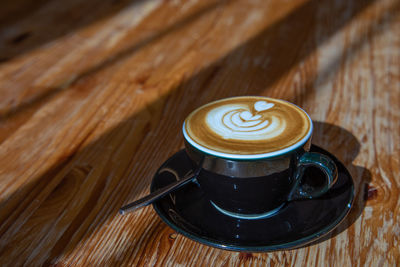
<point x="260" y="186"/>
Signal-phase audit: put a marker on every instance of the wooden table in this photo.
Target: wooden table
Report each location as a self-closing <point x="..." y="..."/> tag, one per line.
<point x="94" y="93"/>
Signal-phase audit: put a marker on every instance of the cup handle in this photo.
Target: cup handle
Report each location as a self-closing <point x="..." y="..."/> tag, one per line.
<point x="325" y="164"/>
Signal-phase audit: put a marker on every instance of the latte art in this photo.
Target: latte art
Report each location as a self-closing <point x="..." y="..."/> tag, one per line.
<point x="238" y="122"/>
<point x="246" y="125"/>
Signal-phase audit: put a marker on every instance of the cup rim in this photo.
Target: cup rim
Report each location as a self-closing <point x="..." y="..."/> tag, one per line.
<point x="276" y="153"/>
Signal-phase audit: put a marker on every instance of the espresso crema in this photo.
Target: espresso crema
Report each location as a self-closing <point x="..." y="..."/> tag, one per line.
<point x="247" y="125"/>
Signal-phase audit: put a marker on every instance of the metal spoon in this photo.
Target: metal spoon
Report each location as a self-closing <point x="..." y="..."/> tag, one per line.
<point x="158" y="194"/>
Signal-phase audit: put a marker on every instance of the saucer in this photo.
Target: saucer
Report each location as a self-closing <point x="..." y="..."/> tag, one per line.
<point x="188" y="212"/>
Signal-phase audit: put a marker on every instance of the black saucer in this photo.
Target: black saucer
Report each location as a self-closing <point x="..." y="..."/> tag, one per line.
<point x="188" y="212"/>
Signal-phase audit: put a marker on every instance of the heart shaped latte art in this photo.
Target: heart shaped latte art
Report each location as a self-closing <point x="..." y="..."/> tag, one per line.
<point x="262" y="105"/>
<point x="236" y="121"/>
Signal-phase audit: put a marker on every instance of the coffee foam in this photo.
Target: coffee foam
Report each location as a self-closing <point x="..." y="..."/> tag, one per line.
<point x="237" y="122"/>
<point x="247" y="126"/>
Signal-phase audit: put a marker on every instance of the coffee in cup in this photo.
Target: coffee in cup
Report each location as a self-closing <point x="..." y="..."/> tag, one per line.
<point x="252" y="151"/>
<point x="246" y="127"/>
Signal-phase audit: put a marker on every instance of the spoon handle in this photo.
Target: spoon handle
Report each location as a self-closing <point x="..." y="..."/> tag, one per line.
<point x="157" y="194"/>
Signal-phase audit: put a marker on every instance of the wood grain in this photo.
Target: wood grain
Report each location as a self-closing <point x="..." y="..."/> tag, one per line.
<point x="93" y="95"/>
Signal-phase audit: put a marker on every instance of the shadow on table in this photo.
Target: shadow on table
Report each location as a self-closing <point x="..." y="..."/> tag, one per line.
<point x="26" y="25"/>
<point x="108" y="191"/>
<point x="47" y="93"/>
<point x="344" y="146"/>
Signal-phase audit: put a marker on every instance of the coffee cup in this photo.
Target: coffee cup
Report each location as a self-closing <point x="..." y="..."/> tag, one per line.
<point x="252" y="152"/>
